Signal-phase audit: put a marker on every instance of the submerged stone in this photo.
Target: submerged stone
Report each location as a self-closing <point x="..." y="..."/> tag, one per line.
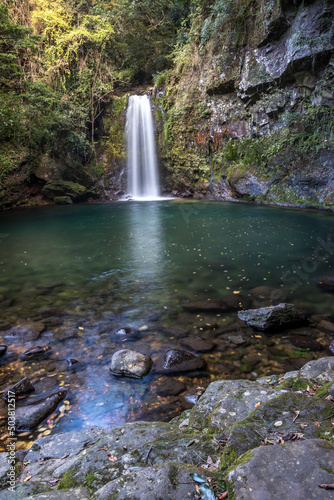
<point x="38" y="352"/>
<point x="273" y="318"/>
<point x="128" y="363"/>
<point x="292" y="471"/>
<point x="3" y="350"/>
<point x="177" y="360"/>
<point x="27" y="418"/>
<point x="27" y="330"/>
<point x="24" y="386"/>
<point x="232" y="302"/>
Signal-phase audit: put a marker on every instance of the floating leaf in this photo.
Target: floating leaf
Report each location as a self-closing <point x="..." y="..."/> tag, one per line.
<point x="206" y="492"/>
<point x="199" y="479"/>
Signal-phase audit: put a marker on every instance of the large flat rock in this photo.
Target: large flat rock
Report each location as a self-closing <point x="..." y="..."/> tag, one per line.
<point x="291" y="471"/>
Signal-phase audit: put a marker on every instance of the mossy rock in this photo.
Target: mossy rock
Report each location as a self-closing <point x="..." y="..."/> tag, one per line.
<point x="284" y="415"/>
<point x="295" y="384"/>
<point x="75" y="191"/>
<point x="62" y="200"/>
<point x="24" y="490"/>
<point x="326" y="390"/>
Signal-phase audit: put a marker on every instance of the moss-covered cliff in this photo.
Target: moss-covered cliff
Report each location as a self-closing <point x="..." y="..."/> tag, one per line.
<point x="248" y="103"/>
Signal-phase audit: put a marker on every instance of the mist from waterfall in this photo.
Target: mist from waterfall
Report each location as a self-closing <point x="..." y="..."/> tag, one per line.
<point x="143" y="178"/>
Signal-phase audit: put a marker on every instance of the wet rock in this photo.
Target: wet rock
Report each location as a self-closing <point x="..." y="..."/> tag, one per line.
<point x="124" y="333"/>
<point x="326" y="325"/>
<point x="273" y="318"/>
<point x="38" y="352"/>
<point x="162" y="413"/>
<point x="72" y="361"/>
<point x="75" y="191"/>
<point x="268" y="293"/>
<point x="177" y="360"/>
<point x="128" y="363"/>
<point x="236" y="339"/>
<point x="47" y="312"/>
<point x="29" y="417"/>
<point x="3" y="350"/>
<point x="320" y="370"/>
<point x="193" y="395"/>
<point x="233" y="302"/>
<point x="331" y="347"/>
<point x="170" y="387"/>
<point x="303" y="465"/>
<point x="24" y="386"/>
<point x="198" y="344"/>
<point x="25" y="490"/>
<point x="209" y="305"/>
<point x="305" y="342"/>
<point x="29" y="330"/>
<point x="326" y="284"/>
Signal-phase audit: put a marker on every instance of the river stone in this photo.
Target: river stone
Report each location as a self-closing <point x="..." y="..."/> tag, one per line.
<point x="197" y="344"/>
<point x="273" y="317"/>
<point x="128" y="363"/>
<point x="170" y="387"/>
<point x="124" y="333"/>
<point x="165" y="481"/>
<point x="292" y="471"/>
<point x="38" y="352"/>
<point x="24" y="386"/>
<point x="277" y="418"/>
<point x="225" y="402"/>
<point x="27" y="418"/>
<point x="193" y="395"/>
<point x="177" y="360"/>
<point x="321" y="370"/>
<point x="3" y="350"/>
<point x="28" y="330"/>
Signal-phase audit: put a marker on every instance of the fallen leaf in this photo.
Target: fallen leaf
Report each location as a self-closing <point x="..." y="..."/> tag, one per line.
<point x="316" y="424"/>
<point x="111" y="457"/>
<point x="327" y="486"/>
<point x="221" y="496"/>
<point x="278" y="423"/>
<point x="27" y="478"/>
<point x="303" y="425"/>
<point x="257" y="405"/>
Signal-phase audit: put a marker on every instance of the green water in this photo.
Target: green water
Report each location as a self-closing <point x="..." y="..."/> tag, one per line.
<point x="135" y="264"/>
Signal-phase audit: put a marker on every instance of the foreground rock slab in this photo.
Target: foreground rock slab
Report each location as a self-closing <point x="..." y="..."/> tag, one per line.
<point x="293" y="470"/>
<point x="273" y="318"/>
<point x="128" y="363"/>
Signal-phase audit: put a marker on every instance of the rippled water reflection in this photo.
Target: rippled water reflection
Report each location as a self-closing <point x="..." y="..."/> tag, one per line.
<point x="87" y="270"/>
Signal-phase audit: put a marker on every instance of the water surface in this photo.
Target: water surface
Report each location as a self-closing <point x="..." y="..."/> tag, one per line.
<point x="102" y="267"/>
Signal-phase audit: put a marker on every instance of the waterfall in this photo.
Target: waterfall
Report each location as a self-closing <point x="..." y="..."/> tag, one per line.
<point x="143" y="179"/>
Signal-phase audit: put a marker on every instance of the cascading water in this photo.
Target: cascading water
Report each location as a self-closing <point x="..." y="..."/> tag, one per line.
<point x="143" y="179"/>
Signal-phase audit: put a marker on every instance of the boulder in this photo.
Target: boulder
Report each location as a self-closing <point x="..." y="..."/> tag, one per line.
<point x="320" y="370"/>
<point x="276" y="419"/>
<point x="27" y="330"/>
<point x="128" y="363"/>
<point x="24" y="386"/>
<point x="273" y="318"/>
<point x="75" y="191"/>
<point x="29" y="417"/>
<point x="293" y="470"/>
<point x="177" y="360"/>
<point x="49" y="169"/>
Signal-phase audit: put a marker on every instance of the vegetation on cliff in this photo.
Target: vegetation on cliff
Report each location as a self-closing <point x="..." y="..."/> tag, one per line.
<point x="243" y="91"/>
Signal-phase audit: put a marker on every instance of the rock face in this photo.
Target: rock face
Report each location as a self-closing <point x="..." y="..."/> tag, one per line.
<point x="128" y="363"/>
<point x="273" y="318"/>
<point x="265" y="439"/>
<point x="241" y="98"/>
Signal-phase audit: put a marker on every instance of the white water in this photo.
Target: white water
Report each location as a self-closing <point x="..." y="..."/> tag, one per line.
<point x="143" y="179"/>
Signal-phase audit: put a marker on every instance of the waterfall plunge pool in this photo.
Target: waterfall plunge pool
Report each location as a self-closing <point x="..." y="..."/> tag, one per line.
<point x="86" y="271"/>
